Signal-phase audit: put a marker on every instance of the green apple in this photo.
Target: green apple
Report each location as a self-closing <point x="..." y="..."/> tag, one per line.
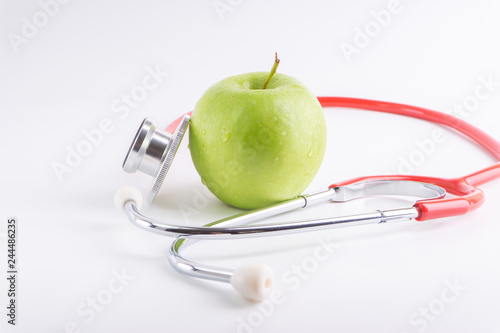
<point x="255" y="142"/>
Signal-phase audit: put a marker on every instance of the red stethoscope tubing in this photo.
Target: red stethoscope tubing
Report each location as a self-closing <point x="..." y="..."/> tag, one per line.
<point x="467" y="196"/>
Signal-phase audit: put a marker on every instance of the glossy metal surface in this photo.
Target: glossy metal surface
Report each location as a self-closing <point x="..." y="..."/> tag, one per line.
<point x="336" y="194"/>
<point x="169" y="156"/>
<point x="152" y="151"/>
<point x="215" y="232"/>
<point x="147" y="151"/>
<point x="237" y="226"/>
<point x="203" y="271"/>
<point x="387" y="188"/>
<point x="198" y="270"/>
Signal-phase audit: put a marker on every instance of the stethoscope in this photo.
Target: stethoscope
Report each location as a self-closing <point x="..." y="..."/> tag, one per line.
<point x="153" y="151"/>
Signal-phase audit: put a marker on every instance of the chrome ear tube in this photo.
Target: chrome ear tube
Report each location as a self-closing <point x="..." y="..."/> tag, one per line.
<point x="254" y="281"/>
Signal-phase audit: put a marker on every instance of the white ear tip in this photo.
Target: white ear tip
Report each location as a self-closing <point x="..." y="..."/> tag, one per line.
<point x="127" y="193"/>
<point x="253" y="281"/>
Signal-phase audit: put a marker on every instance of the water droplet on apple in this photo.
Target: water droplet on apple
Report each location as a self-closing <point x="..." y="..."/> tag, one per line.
<point x="203" y="132"/>
<point x="283" y="133"/>
<point x="310" y="153"/>
<point x="226" y="136"/>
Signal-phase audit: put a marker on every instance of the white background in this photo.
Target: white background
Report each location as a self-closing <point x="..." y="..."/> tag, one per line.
<point x="66" y="76"/>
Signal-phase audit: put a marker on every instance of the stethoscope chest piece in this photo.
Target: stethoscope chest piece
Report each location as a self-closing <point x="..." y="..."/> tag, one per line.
<point x="152" y="151"/>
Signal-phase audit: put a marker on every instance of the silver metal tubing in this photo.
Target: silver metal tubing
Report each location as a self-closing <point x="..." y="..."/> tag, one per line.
<point x="202" y="271"/>
<point x="237" y="226"/>
<point x="388" y="188"/>
<point x="207" y="272"/>
<point x="198" y="270"/>
<point x="344" y="193"/>
<point x="264" y="230"/>
<point x="259" y="214"/>
<point x="246" y="217"/>
<point x="336" y="194"/>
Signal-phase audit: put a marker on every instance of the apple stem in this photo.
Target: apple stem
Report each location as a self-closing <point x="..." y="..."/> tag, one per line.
<point x="273" y="70"/>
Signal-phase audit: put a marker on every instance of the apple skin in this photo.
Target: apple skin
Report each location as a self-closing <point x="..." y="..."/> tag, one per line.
<point x="255" y="147"/>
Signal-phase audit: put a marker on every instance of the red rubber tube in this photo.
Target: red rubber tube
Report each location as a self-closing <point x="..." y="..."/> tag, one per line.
<point x="468" y="196"/>
<point x="483" y="139"/>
